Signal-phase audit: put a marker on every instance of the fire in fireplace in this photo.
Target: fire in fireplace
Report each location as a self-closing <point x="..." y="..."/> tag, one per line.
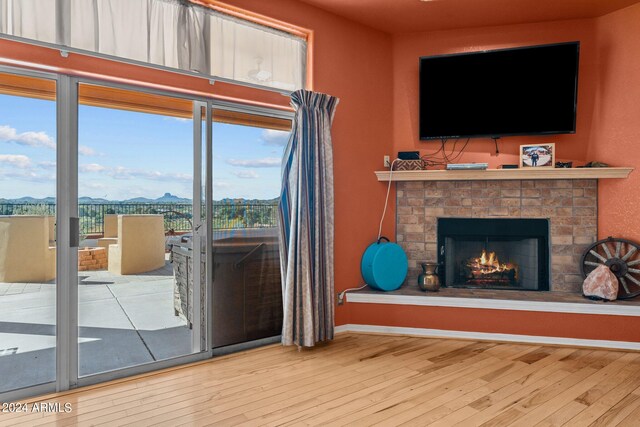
<point x="487" y="270"/>
<point x="494" y="253"/>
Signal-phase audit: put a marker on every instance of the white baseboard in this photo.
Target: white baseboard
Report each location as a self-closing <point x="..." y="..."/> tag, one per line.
<point x="484" y="336"/>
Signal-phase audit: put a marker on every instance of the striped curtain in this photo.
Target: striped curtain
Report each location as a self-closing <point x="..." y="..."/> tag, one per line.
<point x="306" y="222"/>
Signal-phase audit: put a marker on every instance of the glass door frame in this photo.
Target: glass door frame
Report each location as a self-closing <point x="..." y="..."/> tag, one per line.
<point x="200" y="231"/>
<point x="67" y="233"/>
<point x="61" y="287"/>
<point x="252" y="110"/>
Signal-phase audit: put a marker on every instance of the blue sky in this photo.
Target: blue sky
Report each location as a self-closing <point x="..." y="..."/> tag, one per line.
<point x="125" y="154"/>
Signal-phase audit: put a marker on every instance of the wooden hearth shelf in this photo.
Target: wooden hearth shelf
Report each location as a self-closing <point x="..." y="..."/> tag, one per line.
<point x="505" y="174"/>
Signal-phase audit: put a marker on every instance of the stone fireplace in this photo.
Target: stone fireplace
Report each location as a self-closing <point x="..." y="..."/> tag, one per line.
<point x="568" y="206"/>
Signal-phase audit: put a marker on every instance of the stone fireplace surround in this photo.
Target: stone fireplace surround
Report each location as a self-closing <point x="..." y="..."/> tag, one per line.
<point x="569" y="204"/>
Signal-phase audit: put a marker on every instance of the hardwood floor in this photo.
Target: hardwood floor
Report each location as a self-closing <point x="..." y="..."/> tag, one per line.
<point x="371" y="380"/>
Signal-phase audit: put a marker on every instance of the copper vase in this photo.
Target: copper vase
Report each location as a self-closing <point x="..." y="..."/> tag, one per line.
<point x="429" y="280"/>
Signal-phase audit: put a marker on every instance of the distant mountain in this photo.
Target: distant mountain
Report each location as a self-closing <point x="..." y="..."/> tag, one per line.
<point x="27" y="199"/>
<point x="87" y="200"/>
<point x="138" y="200"/>
<point x="166" y="198"/>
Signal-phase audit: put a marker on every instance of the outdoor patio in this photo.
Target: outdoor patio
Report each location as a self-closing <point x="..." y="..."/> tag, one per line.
<point x="124" y="321"/>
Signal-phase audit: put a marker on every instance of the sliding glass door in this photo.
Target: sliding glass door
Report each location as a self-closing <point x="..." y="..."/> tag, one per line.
<point x="121" y="251"/>
<point x="247" y="292"/>
<point x="140" y="270"/>
<point x="28" y="200"/>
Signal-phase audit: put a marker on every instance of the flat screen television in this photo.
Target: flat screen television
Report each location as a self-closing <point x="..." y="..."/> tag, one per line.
<point x="521" y="91"/>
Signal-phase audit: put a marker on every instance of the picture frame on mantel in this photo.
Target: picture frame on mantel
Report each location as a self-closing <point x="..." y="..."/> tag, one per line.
<point x="537" y="156"/>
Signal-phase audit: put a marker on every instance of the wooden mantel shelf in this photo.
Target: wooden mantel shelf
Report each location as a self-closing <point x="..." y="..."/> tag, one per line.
<point x="505" y="174"/>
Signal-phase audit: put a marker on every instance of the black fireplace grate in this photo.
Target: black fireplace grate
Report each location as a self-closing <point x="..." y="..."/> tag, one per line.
<point x="494" y="253"/>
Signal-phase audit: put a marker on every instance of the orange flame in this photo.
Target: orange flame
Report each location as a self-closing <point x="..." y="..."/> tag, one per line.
<point x="490" y="263"/>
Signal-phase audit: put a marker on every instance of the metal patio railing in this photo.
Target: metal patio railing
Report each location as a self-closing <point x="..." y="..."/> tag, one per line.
<point x="177" y="216"/>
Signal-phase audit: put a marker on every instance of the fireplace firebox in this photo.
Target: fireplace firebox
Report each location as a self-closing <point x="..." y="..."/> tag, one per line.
<point x="492" y="253"/>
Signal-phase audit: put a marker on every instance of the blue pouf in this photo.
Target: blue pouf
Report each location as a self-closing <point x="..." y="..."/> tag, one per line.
<point x="384" y="265"/>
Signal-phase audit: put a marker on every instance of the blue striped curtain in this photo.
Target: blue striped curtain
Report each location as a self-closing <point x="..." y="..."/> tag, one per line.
<point x="306" y="222"/>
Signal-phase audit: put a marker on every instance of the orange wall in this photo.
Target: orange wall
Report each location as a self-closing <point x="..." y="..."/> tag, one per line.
<point x="616" y="134"/>
<point x="351" y="62"/>
<point x="608" y="107"/>
<point x="608" y="129"/>
<point x="409" y="47"/>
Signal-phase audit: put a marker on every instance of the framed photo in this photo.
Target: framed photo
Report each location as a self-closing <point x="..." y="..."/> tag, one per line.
<point x="537" y="156"/>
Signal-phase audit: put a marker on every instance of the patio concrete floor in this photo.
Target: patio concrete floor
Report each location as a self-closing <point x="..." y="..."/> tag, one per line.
<point x="124" y="321"/>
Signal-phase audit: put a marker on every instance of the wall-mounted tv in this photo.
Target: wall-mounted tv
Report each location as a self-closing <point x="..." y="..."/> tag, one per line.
<point x="521" y="91"/>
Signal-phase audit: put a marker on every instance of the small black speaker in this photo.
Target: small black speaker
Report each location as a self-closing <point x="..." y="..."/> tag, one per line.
<point x="409" y="155"/>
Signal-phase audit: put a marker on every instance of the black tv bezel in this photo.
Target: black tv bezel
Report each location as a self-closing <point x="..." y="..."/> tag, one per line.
<point x="499" y="135"/>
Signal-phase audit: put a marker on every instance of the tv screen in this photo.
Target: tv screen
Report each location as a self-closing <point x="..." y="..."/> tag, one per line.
<point x="522" y="91"/>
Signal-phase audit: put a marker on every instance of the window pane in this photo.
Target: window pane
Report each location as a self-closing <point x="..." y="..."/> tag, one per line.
<point x="135" y="187"/>
<point x="247" y="292"/>
<point x="30" y="19"/>
<point x="27" y="232"/>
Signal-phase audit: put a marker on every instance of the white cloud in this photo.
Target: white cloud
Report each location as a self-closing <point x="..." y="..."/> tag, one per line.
<point x="32" y="139"/>
<point x="27" y="175"/>
<point x="94" y="185"/>
<point x="91" y="167"/>
<point x="275" y="137"/>
<point x="179" y="119"/>
<point x="266" y="162"/>
<point x="86" y="151"/>
<point x="37" y="139"/>
<point x="222" y="185"/>
<point x="47" y="165"/>
<point x="246" y="174"/>
<point x="121" y="172"/>
<point x="17" y="160"/>
<point x="124" y="173"/>
<point x="23" y="169"/>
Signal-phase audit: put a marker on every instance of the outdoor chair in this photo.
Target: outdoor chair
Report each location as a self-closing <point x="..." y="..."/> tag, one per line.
<point x="27" y="249"/>
<point x="140" y="245"/>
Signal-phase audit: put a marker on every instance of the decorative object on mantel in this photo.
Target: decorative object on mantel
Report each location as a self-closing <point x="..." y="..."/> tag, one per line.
<point x="538" y="156"/>
<point x="600" y="284"/>
<point x="408" y="165"/>
<point x="428" y="280"/>
<point x="567" y="165"/>
<point x="595" y="165"/>
<point x="621" y="257"/>
<point x="409" y="155"/>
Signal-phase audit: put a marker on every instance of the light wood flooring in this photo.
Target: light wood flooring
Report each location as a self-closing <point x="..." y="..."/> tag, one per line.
<point x="372" y="379"/>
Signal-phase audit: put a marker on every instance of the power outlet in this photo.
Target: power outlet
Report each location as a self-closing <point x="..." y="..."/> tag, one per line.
<point x="340" y="298"/>
<point x="387" y="162"/>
